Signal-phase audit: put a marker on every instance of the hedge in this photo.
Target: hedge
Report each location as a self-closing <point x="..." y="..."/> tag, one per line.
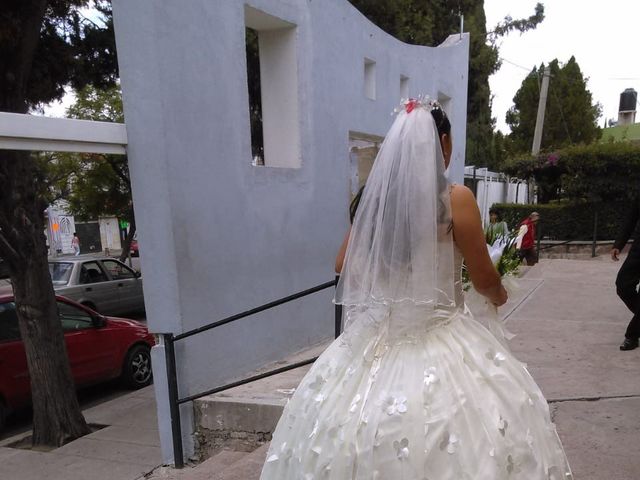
<point x="569" y="221"/>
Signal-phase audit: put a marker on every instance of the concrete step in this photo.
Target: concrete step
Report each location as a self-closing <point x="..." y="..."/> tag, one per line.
<point x="225" y="465"/>
<point x="247" y="468"/>
<point x="244" y="417"/>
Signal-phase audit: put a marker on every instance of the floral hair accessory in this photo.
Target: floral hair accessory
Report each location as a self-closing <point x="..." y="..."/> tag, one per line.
<point x="410" y="104"/>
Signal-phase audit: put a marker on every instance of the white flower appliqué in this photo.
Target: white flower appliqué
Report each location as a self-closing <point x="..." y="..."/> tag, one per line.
<point x="502" y="426"/>
<point x="449" y="442"/>
<point x="430" y="376"/>
<point x="317" y="384"/>
<point x="402" y="448"/>
<point x="396" y="405"/>
<point x="496" y="357"/>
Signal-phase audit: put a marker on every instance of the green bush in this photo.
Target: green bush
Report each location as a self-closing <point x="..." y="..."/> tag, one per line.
<point x="569" y="221"/>
<point x="600" y="172"/>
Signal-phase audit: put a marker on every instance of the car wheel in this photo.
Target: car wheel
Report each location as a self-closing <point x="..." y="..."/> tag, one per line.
<point x="136" y="372"/>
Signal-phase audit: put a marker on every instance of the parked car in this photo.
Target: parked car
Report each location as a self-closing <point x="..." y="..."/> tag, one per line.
<point x="103" y="284"/>
<point x="100" y="348"/>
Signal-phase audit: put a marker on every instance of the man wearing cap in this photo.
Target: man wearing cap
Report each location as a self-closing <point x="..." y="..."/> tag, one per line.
<point x="629" y="274"/>
<point x="526" y="240"/>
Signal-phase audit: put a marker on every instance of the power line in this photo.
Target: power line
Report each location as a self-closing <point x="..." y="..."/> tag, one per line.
<point x="515" y="64"/>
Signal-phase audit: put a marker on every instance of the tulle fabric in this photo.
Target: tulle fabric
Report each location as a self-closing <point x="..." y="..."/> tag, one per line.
<point x="401" y="249"/>
<point x="412" y="393"/>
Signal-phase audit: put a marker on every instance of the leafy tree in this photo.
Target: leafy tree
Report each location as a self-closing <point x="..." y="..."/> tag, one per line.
<point x="430" y="22"/>
<point x="570" y="117"/>
<point x="98" y="184"/>
<point x="44" y="46"/>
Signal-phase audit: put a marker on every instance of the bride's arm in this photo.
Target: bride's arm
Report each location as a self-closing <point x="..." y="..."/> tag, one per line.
<point x="470" y="239"/>
<point x="342" y="252"/>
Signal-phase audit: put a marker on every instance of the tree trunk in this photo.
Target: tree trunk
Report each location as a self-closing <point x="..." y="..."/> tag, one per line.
<point x="57" y="418"/>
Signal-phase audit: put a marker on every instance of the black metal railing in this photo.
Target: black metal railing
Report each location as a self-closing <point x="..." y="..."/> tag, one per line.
<point x="172" y="377"/>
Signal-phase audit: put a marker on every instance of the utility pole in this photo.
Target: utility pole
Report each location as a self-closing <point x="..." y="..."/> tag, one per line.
<point x="542" y="103"/>
<point x="537" y="134"/>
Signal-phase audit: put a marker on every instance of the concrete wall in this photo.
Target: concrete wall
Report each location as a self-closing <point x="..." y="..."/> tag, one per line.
<point x="218" y="235"/>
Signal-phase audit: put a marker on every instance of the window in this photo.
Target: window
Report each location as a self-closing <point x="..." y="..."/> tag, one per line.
<point x="117" y="270"/>
<point x="272" y="74"/>
<point x="90" y="272"/>
<point x="60" y="272"/>
<point x="370" y="78"/>
<point x="73" y="318"/>
<point x="9" y="322"/>
<point x="404" y="86"/>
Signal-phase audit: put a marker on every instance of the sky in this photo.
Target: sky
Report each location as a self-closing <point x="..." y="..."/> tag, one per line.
<point x="602" y="35"/>
<point x="599" y="34"/>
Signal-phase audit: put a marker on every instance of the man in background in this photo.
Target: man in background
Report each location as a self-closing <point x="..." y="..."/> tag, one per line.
<point x="526" y="240"/>
<point x="629" y="274"/>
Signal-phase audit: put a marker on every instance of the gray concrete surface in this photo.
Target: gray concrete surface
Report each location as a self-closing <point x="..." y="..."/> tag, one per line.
<point x="126" y="449"/>
<point x="568" y="323"/>
<point x="568" y="331"/>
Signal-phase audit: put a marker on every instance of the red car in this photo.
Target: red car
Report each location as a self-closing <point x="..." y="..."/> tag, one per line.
<point x="100" y="348"/>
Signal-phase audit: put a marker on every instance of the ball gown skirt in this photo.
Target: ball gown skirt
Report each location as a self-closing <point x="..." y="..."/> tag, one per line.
<point x="412" y="393"/>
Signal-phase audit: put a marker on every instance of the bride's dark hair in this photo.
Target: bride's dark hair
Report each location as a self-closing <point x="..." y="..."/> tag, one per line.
<point x="444" y="128"/>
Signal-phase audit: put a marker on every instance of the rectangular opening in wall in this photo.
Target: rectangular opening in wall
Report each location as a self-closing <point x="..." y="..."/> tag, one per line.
<point x="255" y="100"/>
<point x="404" y="86"/>
<point x="363" y="149"/>
<point x="272" y="76"/>
<point x="445" y="101"/>
<point x="370" y="78"/>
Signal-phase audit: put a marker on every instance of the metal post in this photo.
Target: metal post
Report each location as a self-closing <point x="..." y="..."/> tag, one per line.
<point x="174" y="407"/>
<point x="338" y="315"/>
<point x="595" y="234"/>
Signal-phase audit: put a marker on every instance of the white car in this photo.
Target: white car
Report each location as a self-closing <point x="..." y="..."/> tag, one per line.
<point x="103" y="284"/>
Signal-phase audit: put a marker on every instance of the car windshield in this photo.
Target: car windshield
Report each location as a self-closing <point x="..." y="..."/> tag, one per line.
<point x="60" y="272"/>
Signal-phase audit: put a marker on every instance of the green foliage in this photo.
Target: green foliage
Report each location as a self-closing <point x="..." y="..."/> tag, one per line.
<point x="607" y="172"/>
<point x="61" y="45"/>
<point x="508" y="264"/>
<point x="569" y="220"/>
<point x="97" y="185"/>
<point x="430" y="22"/>
<point x="570" y="118"/>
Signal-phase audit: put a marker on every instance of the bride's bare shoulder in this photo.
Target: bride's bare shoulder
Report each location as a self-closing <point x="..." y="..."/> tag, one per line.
<point x="461" y="195"/>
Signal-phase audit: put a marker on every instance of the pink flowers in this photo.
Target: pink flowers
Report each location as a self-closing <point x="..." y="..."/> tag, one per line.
<point x="410" y="105"/>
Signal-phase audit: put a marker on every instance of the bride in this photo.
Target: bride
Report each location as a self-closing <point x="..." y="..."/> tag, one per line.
<point x="415" y="388"/>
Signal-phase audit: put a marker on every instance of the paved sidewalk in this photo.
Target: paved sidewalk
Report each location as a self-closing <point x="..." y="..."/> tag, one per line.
<point x="568" y="332"/>
<point x="127" y="449"/>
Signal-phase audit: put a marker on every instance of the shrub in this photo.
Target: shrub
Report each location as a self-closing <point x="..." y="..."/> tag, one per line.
<point x="569" y="220"/>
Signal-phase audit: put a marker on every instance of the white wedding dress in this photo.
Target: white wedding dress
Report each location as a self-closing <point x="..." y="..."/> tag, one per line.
<point x="412" y="393"/>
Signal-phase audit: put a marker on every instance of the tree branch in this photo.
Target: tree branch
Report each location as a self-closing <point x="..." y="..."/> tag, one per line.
<point x="8" y="252"/>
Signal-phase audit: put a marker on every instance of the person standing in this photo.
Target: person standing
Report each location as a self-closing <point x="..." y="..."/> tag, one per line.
<point x="629" y="274"/>
<point x="75" y="243"/>
<point x="526" y="241"/>
<point x="415" y="387"/>
<point x="497" y="228"/>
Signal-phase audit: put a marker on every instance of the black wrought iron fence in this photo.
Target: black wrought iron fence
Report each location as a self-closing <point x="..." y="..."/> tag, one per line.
<point x="169" y="341"/>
